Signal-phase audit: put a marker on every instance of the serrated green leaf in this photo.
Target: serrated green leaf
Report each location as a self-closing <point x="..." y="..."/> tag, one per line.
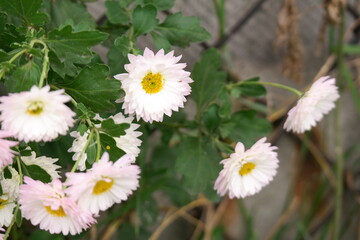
<point x="92" y="88"/>
<point x="123" y="44"/>
<point x="244" y="126"/>
<point x="73" y="47"/>
<point x="116" y="13"/>
<point x="23" y="78"/>
<point x="109" y="127"/>
<point x="109" y="145"/>
<point x="208" y="79"/>
<point x="66" y="12"/>
<point x="144" y="19"/>
<point x="161" y="4"/>
<point x="161" y="42"/>
<point x="182" y="31"/>
<point x="198" y="161"/>
<point x="26" y="10"/>
<point x="37" y="173"/>
<point x="8" y="34"/>
<point x="83" y="112"/>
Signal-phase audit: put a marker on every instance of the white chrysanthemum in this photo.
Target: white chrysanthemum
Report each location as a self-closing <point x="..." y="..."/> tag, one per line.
<point x="155" y="84"/>
<point x="49" y="207"/>
<point x="247" y="172"/>
<point x="6" y="154"/>
<point x="10" y="189"/>
<point x="46" y="163"/>
<point x="36" y="115"/>
<point x="77" y="146"/>
<point x="311" y="108"/>
<point x="130" y="142"/>
<point x="104" y="184"/>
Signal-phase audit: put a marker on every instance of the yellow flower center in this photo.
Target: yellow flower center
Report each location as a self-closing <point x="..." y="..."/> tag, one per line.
<point x="2" y="203"/>
<point x="246" y="168"/>
<point x="102" y="186"/>
<point x="35" y="107"/>
<point x="58" y="213"/>
<point x="152" y="83"/>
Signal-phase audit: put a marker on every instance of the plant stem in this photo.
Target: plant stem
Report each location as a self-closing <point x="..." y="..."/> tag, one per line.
<point x="293" y="90"/>
<point x="83" y="150"/>
<point x="8" y="230"/>
<point x="20" y="169"/>
<point x="338" y="132"/>
<point x="98" y="145"/>
<point x="45" y="68"/>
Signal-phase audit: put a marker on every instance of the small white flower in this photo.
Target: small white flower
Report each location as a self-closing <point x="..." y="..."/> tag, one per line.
<point x="36" y="115"/>
<point x="77" y="146"/>
<point x="247" y="172"/>
<point x="130" y="142"/>
<point x="10" y="187"/>
<point x="155" y="84"/>
<point x="46" y="163"/>
<point x="311" y="108"/>
<point x="104" y="184"/>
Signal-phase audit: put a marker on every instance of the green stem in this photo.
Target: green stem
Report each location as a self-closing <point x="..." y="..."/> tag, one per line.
<point x="83" y="150"/>
<point x="338" y="132"/>
<point x="45" y="68"/>
<point x="2" y="72"/>
<point x="20" y="169"/>
<point x="8" y="230"/>
<point x="98" y="145"/>
<point x="293" y="90"/>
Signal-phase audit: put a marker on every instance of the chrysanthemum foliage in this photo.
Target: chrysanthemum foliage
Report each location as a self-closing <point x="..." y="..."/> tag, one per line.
<point x="81" y="134"/>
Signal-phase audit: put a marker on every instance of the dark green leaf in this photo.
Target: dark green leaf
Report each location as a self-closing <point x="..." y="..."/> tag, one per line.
<point x="23" y="78"/>
<point x="211" y="118"/>
<point x="8" y="34"/>
<point x="182" y="31"/>
<point x="198" y="161"/>
<point x="161" y="42"/>
<point x="18" y="218"/>
<point x="245" y="127"/>
<point x="123" y="44"/>
<point x="66" y="12"/>
<point x="82" y="128"/>
<point x="116" y="60"/>
<point x="83" y="112"/>
<point x="116" y="13"/>
<point x="109" y="127"/>
<point x="73" y="47"/>
<point x="92" y="88"/>
<point x="224" y="103"/>
<point x="161" y="4"/>
<point x="250" y="90"/>
<point x="144" y="19"/>
<point x="109" y="145"/>
<point x="37" y="173"/>
<point x="208" y="79"/>
<point x="26" y="10"/>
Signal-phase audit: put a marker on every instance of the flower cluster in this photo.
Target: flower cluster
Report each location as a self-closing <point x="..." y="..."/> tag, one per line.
<point x="155" y="85"/>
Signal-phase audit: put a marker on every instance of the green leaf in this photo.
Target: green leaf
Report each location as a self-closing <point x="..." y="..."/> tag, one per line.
<point x="23" y="78"/>
<point x="109" y="127"/>
<point x="109" y="144"/>
<point x="18" y="218"/>
<point x="93" y="89"/>
<point x="73" y="47"/>
<point x="8" y="34"/>
<point x="351" y="49"/>
<point x="198" y="161"/>
<point x="116" y="60"/>
<point x="66" y="12"/>
<point x="250" y="90"/>
<point x="91" y="152"/>
<point x="37" y="173"/>
<point x="82" y="128"/>
<point x="224" y="103"/>
<point x="83" y="112"/>
<point x="26" y="10"/>
<point x="211" y="118"/>
<point x="123" y="44"/>
<point x="208" y="79"/>
<point x="144" y="19"/>
<point x="160" y="4"/>
<point x="182" y="31"/>
<point x="161" y="42"/>
<point x="116" y="13"/>
<point x="245" y="127"/>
